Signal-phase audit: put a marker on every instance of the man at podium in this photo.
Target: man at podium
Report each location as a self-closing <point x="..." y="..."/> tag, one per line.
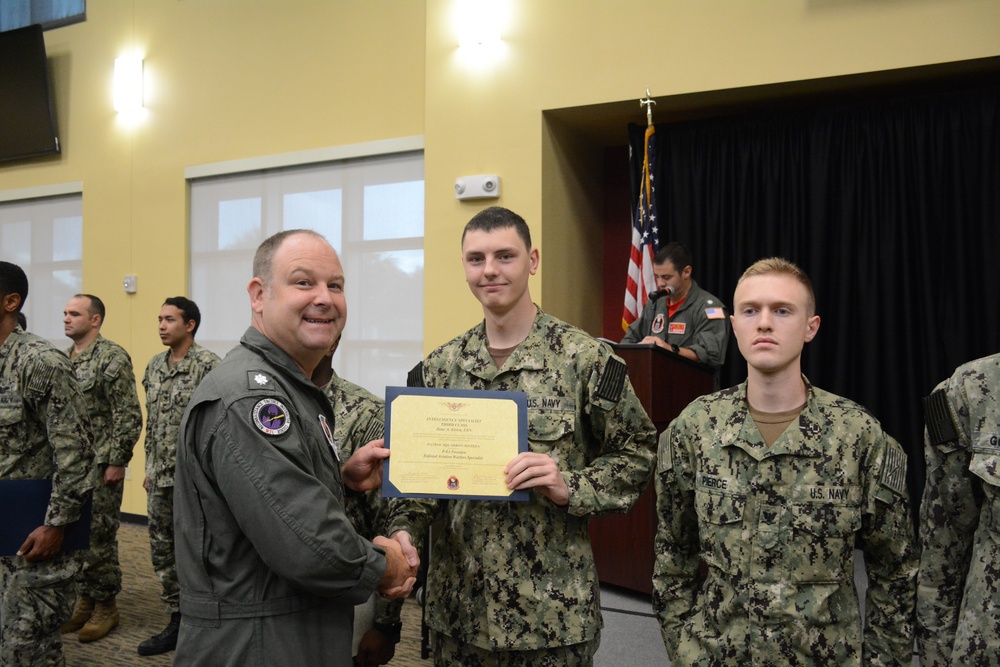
<point x="680" y="316"/>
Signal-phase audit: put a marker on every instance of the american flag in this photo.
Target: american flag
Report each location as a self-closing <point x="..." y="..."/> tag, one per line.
<point x="645" y="239"/>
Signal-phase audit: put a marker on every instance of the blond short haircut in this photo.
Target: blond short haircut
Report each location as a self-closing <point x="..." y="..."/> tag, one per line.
<point x="781" y="266"/>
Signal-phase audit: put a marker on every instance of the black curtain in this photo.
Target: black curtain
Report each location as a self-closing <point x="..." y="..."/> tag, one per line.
<point x="893" y="209"/>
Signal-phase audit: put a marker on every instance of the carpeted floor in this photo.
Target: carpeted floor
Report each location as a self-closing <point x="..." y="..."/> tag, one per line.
<point x="631" y="634"/>
<point x="142" y="616"/>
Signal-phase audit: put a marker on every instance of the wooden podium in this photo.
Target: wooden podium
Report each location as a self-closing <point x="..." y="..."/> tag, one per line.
<point x="665" y="383"/>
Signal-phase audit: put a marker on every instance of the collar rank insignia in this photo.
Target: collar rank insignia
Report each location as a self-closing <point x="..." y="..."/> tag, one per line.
<point x="271" y="416"/>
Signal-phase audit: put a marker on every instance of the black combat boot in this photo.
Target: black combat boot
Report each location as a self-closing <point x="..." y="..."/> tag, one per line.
<point x="165" y="641"/>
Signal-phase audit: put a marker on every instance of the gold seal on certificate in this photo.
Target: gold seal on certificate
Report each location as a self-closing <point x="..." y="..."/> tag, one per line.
<point x="452" y="443"/>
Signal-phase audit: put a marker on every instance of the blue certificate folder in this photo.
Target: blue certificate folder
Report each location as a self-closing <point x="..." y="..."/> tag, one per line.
<point x="519" y="398"/>
<point x="23" y="503"/>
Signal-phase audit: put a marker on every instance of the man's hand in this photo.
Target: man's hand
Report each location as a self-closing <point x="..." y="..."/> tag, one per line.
<point x="113" y="475"/>
<point x="363" y="471"/>
<point x="145" y="484"/>
<point x="409" y="551"/>
<point x="531" y="470"/>
<point x="400" y="571"/>
<point x="44" y="543"/>
<point x="653" y="340"/>
<point x="374" y="649"/>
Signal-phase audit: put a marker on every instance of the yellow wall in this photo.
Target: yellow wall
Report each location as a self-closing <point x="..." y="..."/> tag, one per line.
<point x="231" y="79"/>
<point x="571" y="53"/>
<point x="225" y="80"/>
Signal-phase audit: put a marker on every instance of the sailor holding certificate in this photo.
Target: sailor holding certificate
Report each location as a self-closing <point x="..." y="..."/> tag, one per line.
<point x="519" y="577"/>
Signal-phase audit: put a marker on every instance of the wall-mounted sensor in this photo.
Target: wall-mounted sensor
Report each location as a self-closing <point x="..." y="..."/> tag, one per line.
<point x="481" y="186"/>
<point x="130" y="284"/>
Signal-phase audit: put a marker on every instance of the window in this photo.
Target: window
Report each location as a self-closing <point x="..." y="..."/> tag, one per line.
<point x="45" y="238"/>
<point x="370" y="209"/>
<point x="49" y="13"/>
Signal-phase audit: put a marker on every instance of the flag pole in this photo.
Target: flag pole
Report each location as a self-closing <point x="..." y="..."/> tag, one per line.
<point x="648" y="102"/>
<point x="645" y="230"/>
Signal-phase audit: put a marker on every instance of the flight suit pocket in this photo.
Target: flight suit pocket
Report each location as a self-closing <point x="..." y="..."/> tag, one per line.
<point x="722" y="537"/>
<point x="820" y="545"/>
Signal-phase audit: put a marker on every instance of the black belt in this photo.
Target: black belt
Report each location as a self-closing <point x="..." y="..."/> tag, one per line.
<point x="215" y="610"/>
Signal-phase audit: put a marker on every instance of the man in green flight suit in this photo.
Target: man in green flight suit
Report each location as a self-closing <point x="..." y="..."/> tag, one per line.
<point x="270" y="567"/>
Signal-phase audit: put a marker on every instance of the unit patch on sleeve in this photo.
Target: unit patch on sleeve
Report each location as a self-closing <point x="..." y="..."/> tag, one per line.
<point x="612" y="380"/>
<point x="937" y="416"/>
<point x="111" y="370"/>
<point x="894" y="468"/>
<point x="38" y="383"/>
<point x="271" y="416"/>
<point x="715" y="313"/>
<point x="415" y="378"/>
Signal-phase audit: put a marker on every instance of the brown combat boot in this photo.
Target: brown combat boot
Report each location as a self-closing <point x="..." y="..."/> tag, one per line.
<point x="82" y="610"/>
<point x="103" y="621"/>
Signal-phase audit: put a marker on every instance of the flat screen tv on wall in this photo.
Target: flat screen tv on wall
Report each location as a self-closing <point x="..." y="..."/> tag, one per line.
<point x="27" y="120"/>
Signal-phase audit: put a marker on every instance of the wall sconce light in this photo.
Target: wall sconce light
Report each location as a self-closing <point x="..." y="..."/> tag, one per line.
<point x="479" y="23"/>
<point x="128" y="84"/>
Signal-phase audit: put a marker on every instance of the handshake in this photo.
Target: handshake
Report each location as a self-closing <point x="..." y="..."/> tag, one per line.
<point x="362" y="472"/>
<point x="401" y="563"/>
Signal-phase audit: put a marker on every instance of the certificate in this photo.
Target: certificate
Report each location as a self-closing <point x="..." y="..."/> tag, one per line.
<point x="452" y="443"/>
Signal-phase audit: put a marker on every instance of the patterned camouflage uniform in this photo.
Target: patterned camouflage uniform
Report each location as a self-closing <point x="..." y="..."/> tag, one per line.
<point x="44" y="434"/>
<point x="958" y="603"/>
<point x="777" y="526"/>
<point x="104" y="371"/>
<point x="359" y="418"/>
<point x="168" y="391"/>
<point x="512" y="576"/>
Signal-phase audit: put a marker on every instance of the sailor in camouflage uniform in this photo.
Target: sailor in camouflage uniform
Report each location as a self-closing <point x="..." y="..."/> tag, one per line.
<point x="104" y="371"/>
<point x="170" y="379"/>
<point x="771" y="483"/>
<point x="514" y="583"/>
<point x="958" y="599"/>
<point x="44" y="435"/>
<point x="358" y="419"/>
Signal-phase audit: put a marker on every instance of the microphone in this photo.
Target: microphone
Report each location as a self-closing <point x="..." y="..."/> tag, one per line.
<point x="666" y="291"/>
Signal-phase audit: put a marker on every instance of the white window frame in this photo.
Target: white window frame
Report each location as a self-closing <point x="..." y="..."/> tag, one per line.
<point x="51" y="281"/>
<point x="362" y="341"/>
